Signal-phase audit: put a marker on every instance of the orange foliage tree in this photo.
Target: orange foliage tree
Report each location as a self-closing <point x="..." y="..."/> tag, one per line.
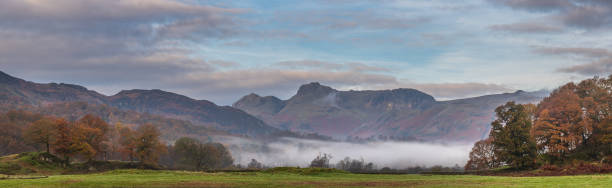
<point x="92" y="135"/>
<point x="561" y="126"/>
<point x="64" y="143"/>
<point x="148" y="144"/>
<point x="41" y="132"/>
<point x="483" y="156"/>
<point x="128" y="142"/>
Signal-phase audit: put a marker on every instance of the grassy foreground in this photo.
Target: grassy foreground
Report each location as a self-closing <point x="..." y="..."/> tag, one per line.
<point x="150" y="178"/>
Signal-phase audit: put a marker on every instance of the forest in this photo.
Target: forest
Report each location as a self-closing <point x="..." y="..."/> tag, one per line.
<point x="91" y="139"/>
<point x="571" y="127"/>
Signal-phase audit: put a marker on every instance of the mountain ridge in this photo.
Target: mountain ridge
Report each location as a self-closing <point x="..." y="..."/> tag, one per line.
<point x="15" y="92"/>
<point x="400" y="113"/>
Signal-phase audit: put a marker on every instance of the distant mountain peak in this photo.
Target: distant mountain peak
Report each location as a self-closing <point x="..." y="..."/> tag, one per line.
<point x="315" y="89"/>
<point x="252" y="96"/>
<point x="7" y="79"/>
<point x="144" y="91"/>
<point x="73" y="86"/>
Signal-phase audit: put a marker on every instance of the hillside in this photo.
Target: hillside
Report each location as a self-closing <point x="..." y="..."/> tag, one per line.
<point x="17" y="93"/>
<point x="399" y="113"/>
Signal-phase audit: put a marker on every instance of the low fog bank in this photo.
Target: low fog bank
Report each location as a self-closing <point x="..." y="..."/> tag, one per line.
<point x="300" y="152"/>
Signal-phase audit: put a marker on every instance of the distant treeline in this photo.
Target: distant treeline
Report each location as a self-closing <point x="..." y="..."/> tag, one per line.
<point x="90" y="138"/>
<point x="573" y="124"/>
<point x="360" y="166"/>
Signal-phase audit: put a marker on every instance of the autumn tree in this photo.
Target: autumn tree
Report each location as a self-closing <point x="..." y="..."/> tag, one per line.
<point x="596" y="103"/>
<point x="127" y="140"/>
<point x="219" y="156"/>
<point x="11" y="134"/>
<point x="561" y="126"/>
<point x="482" y="156"/>
<point x="512" y="142"/>
<point x="148" y="144"/>
<point x="41" y="132"/>
<point x="92" y="134"/>
<point x="113" y="143"/>
<point x="603" y="138"/>
<point x="64" y="143"/>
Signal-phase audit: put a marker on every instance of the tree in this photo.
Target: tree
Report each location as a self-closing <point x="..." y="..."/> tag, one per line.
<point x="92" y="131"/>
<point x="321" y="161"/>
<point x="11" y="134"/>
<point x="222" y="158"/>
<point x="354" y="165"/>
<point x="560" y="126"/>
<point x="512" y="142"/>
<point x="190" y="152"/>
<point x="148" y="145"/>
<point x="482" y="156"/>
<point x="603" y="137"/>
<point x="596" y="102"/>
<point x="127" y="141"/>
<point x="41" y="132"/>
<point x="254" y="164"/>
<point x="64" y="143"/>
<point x="113" y="143"/>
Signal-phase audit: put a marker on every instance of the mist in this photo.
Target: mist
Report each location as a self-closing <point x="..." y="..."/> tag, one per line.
<point x="300" y="152"/>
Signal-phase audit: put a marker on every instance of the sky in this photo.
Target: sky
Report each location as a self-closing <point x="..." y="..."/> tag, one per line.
<point x="223" y="50"/>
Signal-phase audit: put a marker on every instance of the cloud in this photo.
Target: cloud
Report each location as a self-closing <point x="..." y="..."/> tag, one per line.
<point x="228" y="86"/>
<point x="589" y="14"/>
<point x="588" y="52"/>
<point x="444" y="91"/>
<point x="124" y="44"/>
<point x="600" y="67"/>
<point x="527" y="27"/>
<point x="112" y="18"/>
<point x="315" y="64"/>
<point x="118" y="42"/>
<point x="109" y="10"/>
<point x="351" y="19"/>
<point x="309" y="64"/>
<point x="596" y="15"/>
<point x="600" y="59"/>
<point x="538" y="5"/>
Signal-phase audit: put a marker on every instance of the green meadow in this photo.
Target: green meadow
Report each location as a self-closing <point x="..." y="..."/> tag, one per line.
<point x="298" y="178"/>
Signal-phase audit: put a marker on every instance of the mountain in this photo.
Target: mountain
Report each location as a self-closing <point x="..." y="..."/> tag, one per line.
<point x="171" y="129"/>
<point x="398" y="113"/>
<point x="198" y="111"/>
<point x="17" y="93"/>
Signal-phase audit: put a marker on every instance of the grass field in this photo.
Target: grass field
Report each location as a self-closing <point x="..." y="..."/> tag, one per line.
<point x="149" y="178"/>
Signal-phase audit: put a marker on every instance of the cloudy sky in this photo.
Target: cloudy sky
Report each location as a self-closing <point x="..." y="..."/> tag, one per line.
<point x="222" y="50"/>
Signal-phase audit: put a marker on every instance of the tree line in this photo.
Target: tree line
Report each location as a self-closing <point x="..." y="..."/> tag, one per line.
<point x="573" y="123"/>
<point x="90" y="138"/>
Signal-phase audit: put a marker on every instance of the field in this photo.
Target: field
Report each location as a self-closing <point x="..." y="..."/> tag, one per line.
<point x="150" y="178"/>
